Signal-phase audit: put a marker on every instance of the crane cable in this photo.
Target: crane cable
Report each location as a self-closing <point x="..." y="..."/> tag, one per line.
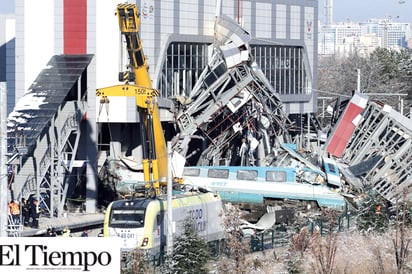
<point x="105" y="101"/>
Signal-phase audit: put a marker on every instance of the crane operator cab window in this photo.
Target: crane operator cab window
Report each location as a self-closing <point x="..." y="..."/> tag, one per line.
<point x="127" y="218"/>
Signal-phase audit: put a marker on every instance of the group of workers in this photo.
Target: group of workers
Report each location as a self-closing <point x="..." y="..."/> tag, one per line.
<point x="26" y="213"/>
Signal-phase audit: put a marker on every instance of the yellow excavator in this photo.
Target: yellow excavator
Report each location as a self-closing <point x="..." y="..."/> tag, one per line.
<point x="137" y="84"/>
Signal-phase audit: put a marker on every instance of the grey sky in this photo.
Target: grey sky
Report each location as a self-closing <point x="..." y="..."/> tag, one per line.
<point x="362" y="10"/>
<point x="6" y="6"/>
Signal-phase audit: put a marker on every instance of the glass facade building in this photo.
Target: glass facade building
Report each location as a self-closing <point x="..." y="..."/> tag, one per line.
<point x="283" y="66"/>
<point x="177" y="37"/>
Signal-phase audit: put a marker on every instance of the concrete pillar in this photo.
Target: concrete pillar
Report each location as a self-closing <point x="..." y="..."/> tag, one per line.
<point x="91" y="140"/>
<point x="3" y="160"/>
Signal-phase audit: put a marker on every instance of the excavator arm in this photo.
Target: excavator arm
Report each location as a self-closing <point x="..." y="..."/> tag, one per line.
<point x="138" y="85"/>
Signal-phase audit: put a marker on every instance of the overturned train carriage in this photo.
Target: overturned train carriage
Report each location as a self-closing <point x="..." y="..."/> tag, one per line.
<point x="259" y="189"/>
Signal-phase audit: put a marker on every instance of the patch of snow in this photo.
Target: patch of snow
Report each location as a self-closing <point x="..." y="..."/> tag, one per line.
<point x="29" y="101"/>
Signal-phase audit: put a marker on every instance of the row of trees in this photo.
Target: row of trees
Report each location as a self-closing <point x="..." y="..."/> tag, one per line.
<point x="384" y="71"/>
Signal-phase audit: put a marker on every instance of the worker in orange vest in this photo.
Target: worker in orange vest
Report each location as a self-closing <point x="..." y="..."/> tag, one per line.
<point x="15" y="212"/>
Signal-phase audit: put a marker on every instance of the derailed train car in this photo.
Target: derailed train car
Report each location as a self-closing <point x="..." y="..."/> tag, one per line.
<point x="268" y="186"/>
<point x="142" y="223"/>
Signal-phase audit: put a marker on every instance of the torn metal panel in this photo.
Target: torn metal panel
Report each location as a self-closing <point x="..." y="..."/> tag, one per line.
<point x="296" y="155"/>
<point x="267" y="221"/>
<point x="229" y="31"/>
<point x="364" y="167"/>
<point x="342" y="132"/>
<point x="354" y="182"/>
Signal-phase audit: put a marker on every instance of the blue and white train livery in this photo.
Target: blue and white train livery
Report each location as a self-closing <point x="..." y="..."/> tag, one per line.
<point x="241" y="184"/>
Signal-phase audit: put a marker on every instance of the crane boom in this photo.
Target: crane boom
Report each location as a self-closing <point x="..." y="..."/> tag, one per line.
<point x="129" y="22"/>
<point x="137" y="84"/>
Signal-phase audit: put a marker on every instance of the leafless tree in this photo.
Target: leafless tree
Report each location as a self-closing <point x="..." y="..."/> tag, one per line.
<point x="400" y="243"/>
<point x="383" y="73"/>
<point x="237" y="245"/>
<point x="324" y="248"/>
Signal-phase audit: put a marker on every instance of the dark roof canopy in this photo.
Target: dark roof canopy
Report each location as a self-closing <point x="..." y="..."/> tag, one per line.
<point x="34" y="111"/>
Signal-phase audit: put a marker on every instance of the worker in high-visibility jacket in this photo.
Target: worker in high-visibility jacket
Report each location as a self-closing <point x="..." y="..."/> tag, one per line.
<point x="15" y="212"/>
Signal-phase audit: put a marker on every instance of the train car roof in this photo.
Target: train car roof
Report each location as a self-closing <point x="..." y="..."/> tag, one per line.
<point x="139" y="202"/>
<point x="143" y="202"/>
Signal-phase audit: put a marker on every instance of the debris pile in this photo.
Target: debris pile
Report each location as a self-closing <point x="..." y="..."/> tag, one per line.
<point x="232" y="116"/>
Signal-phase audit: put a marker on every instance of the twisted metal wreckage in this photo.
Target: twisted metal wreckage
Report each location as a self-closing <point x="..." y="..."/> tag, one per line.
<point x="232" y="105"/>
<point x="234" y="117"/>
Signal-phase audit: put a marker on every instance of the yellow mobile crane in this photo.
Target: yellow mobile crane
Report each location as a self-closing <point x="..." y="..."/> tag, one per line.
<point x="137" y="84"/>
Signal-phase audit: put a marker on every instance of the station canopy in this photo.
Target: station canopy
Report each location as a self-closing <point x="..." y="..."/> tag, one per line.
<point x="32" y="114"/>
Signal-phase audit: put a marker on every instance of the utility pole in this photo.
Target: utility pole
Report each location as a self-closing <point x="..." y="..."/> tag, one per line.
<point x="3" y="160"/>
<point x="169" y="201"/>
<point x="385" y="33"/>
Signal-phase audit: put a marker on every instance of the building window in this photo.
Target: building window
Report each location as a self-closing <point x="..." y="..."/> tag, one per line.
<point x="284" y="68"/>
<point x="182" y="67"/>
<point x="184" y="63"/>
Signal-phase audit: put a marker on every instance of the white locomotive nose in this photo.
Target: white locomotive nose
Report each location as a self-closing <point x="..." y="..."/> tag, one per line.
<point x="143" y="223"/>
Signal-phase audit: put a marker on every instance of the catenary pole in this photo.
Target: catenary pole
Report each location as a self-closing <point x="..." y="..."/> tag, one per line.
<point x="169" y="202"/>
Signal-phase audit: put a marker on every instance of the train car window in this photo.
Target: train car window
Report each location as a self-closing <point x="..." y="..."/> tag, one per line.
<point x="275" y="176"/>
<point x="248" y="175"/>
<point x="331" y="168"/>
<point x="218" y="173"/>
<point x="131" y="218"/>
<point x="191" y="172"/>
